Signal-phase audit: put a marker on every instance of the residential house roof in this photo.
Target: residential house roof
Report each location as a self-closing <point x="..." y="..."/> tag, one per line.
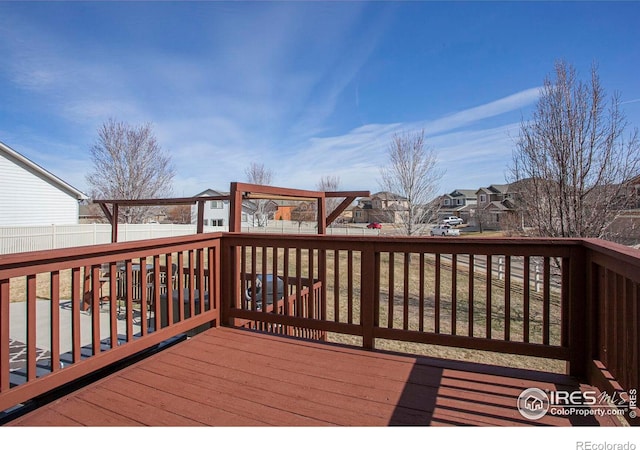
<point x="40" y="172"/>
<point x="211" y="192"/>
<point x="494" y="189"/>
<point x="497" y="205"/>
<point x="385" y="195"/>
<point x="467" y="193"/>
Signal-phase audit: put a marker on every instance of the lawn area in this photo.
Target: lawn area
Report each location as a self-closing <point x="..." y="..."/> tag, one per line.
<point x="416" y="293"/>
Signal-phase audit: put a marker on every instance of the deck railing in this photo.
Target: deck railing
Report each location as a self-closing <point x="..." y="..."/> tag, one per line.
<point x="565" y="299"/>
<point x="69" y="312"/>
<point x="612" y="339"/>
<point x="438" y="291"/>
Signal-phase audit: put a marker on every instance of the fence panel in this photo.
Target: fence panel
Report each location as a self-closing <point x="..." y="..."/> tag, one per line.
<point x="27" y="239"/>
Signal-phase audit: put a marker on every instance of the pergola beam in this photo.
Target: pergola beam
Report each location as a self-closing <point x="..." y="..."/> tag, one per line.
<point x="350" y="197"/>
<point x="241" y="191"/>
<point x="238" y="192"/>
<point x="113" y="217"/>
<point x="162" y="201"/>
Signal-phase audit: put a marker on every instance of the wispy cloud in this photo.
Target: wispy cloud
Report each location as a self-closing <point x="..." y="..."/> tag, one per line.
<point x="358" y="155"/>
<point x="264" y="95"/>
<point x="510" y="103"/>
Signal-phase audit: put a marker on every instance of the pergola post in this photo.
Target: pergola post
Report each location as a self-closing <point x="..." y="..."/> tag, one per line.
<point x="235" y="209"/>
<point x="200" y="225"/>
<point x="114" y="223"/>
<point x="322" y="207"/>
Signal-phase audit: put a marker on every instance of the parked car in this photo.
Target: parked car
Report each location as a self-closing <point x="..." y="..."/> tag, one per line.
<point x="375" y="225"/>
<point x="453" y="220"/>
<point x="444" y="230"/>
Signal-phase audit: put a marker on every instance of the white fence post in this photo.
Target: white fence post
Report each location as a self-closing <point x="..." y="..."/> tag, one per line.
<point x="500" y="268"/>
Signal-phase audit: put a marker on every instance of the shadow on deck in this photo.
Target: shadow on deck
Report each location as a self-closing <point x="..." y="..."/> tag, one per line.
<point x="231" y="377"/>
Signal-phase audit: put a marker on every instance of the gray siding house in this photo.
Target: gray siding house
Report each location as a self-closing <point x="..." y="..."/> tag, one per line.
<point x="32" y="196"/>
<point x="216" y="212"/>
<point x="460" y="203"/>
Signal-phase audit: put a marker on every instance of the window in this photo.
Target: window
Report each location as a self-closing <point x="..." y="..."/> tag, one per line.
<point x="358" y="214"/>
<point x="446" y="202"/>
<point x="217" y="222"/>
<point x="459" y="202"/>
<point x="215" y="204"/>
<point x="206" y="222"/>
<point x="245" y="218"/>
<point x="483" y="198"/>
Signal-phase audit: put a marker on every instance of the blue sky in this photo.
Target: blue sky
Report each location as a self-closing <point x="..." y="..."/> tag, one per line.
<point x="308" y="88"/>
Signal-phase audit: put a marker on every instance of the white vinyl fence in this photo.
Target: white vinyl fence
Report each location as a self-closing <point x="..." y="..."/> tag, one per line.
<point x="27" y="239"/>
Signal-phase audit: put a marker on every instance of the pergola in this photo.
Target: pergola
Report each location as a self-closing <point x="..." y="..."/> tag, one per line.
<point x="238" y="193"/>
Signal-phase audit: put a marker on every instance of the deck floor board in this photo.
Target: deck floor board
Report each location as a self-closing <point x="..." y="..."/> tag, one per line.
<point x="230" y="377"/>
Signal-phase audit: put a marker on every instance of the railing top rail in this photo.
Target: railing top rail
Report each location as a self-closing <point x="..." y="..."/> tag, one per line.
<point x="411" y="239"/>
<point x="624" y="254"/>
<point x="11" y="264"/>
<point x="462" y="245"/>
<point x="615" y="257"/>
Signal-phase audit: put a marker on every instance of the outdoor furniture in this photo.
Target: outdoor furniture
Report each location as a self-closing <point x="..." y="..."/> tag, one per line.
<point x="136" y="284"/>
<point x="165" y="282"/>
<point x="198" y="308"/>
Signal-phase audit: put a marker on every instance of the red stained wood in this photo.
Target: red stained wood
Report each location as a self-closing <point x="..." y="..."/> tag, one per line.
<point x="230" y="377"/>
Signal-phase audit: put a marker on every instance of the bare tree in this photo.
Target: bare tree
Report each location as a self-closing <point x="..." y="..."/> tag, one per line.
<point x="572" y="160"/>
<point x="129" y="164"/>
<point x="179" y="214"/>
<point x="412" y="173"/>
<point x="259" y="174"/>
<point x="330" y="183"/>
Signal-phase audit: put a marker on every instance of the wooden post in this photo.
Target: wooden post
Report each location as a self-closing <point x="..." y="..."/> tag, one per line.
<point x="322" y="224"/>
<point x="4" y="335"/>
<point x="87" y="291"/>
<point x="367" y="296"/>
<point x="200" y="225"/>
<point x="235" y="209"/>
<point x="579" y="314"/>
<point x="114" y="223"/>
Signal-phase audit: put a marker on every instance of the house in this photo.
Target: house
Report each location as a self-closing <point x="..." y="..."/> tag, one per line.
<point x="31" y="195"/>
<point x="634" y="193"/>
<point x="383" y="207"/>
<point x="216" y="212"/>
<point x="495" y="205"/>
<point x="91" y="213"/>
<point x="347" y="216"/>
<point x="387" y="207"/>
<point x="360" y="211"/>
<point x="284" y="209"/>
<point x="460" y="203"/>
<point x="304" y="212"/>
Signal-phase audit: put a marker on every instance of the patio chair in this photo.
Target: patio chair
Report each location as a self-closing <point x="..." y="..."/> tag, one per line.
<point x="166" y="283"/>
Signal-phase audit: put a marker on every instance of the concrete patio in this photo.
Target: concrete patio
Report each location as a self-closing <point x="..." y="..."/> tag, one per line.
<point x="18" y="331"/>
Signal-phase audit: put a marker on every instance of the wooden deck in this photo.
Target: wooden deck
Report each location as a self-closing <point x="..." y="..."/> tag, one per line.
<point x="231" y="377"/>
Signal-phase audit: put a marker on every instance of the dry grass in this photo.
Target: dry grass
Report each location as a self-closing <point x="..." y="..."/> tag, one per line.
<point x="392" y="306"/>
<point x="18" y="286"/>
<point x="411" y="321"/>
